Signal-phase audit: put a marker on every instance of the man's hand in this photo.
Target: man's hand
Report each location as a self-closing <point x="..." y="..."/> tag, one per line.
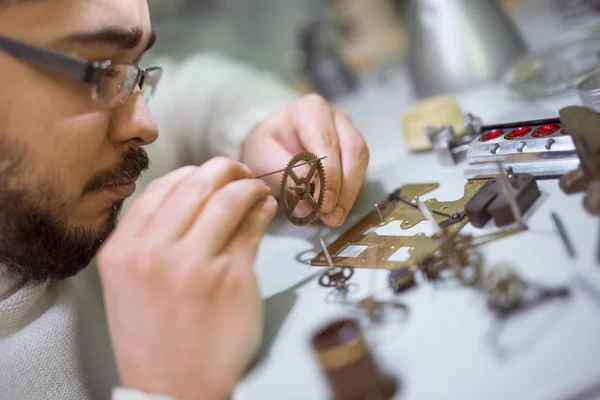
<point x="310" y="124"/>
<point x="183" y="304"/>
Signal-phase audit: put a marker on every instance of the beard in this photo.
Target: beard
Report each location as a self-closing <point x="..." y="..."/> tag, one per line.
<point x="36" y="242"/>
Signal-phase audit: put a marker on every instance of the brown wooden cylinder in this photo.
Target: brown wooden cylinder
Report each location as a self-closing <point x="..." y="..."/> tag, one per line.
<point x="348" y="364"/>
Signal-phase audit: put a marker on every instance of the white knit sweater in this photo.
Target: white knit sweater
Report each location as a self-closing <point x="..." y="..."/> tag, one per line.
<point x="54" y="342"/>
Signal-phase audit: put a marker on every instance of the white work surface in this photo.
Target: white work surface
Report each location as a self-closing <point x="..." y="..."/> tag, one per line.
<point x="450" y="345"/>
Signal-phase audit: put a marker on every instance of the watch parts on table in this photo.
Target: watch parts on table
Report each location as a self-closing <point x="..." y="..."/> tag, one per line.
<point x="491" y="202"/>
<point x="401" y="279"/>
<point x="542" y="148"/>
<point x="454" y="252"/>
<point x="584" y="125"/>
<point x="405" y="212"/>
<point x="506" y="290"/>
<point x="459" y="253"/>
<point x="335" y="277"/>
<point x="346" y="361"/>
<point x="299" y="190"/>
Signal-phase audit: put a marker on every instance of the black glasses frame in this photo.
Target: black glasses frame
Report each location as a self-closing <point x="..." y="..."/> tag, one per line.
<point x="76" y="67"/>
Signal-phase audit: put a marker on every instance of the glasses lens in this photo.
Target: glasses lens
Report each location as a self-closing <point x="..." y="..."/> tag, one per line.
<point x="116" y="84"/>
<point x="151" y="80"/>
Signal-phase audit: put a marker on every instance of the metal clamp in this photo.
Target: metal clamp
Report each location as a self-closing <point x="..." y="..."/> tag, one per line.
<point x="448" y="145"/>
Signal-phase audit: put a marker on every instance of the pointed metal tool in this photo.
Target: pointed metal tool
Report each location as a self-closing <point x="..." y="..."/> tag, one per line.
<point x="289" y="168"/>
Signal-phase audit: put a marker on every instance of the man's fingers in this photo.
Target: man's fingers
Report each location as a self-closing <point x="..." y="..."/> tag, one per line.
<point x="355" y="159"/>
<point x="182" y="206"/>
<point x="277" y="157"/>
<point x="252" y="230"/>
<point x="313" y="120"/>
<point x="224" y="213"/>
<point x="142" y="210"/>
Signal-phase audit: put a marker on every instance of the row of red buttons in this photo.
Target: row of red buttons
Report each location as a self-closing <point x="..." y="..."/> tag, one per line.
<point x="542" y="131"/>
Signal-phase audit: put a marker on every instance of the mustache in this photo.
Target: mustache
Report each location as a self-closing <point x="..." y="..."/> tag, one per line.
<point x="131" y="165"/>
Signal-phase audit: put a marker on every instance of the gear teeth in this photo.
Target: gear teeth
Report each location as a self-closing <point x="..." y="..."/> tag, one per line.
<point x="320" y="176"/>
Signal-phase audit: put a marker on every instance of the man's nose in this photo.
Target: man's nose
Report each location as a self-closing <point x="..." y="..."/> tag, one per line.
<point x="133" y="122"/>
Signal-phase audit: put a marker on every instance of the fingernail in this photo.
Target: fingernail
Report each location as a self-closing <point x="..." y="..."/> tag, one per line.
<point x="336" y="217"/>
<point x="247" y="169"/>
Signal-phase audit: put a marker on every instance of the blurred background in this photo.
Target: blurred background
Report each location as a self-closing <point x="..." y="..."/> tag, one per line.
<point x="328" y="46"/>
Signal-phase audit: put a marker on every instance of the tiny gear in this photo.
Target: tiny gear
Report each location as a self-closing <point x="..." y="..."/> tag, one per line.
<point x="303" y="188"/>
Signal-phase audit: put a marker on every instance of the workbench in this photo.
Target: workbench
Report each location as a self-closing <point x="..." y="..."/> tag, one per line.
<point x="450" y="345"/>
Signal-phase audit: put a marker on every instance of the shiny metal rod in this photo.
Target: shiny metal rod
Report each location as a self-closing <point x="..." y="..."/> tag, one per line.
<point x="379" y="212"/>
<point x="560" y="227"/>
<point x="326" y="252"/>
<point x="288" y="168"/>
<point x="508" y="193"/>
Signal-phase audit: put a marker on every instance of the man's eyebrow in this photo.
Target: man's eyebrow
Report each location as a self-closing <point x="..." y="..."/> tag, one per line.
<point x="126" y="38"/>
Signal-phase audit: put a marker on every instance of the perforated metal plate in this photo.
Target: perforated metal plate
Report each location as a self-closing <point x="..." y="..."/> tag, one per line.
<point x="379" y="248"/>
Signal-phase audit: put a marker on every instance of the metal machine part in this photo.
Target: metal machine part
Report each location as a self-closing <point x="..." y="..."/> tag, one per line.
<point x="455" y="218"/>
<point x="296" y="189"/>
<point x="491" y="202"/>
<point x="346" y="361"/>
<point x="459" y="253"/>
<point x="379" y="248"/>
<point x="336" y="278"/>
<point x="507" y="291"/>
<point x="504" y="288"/>
<point x="432" y="266"/>
<point x="564" y="236"/>
<point x="542" y="148"/>
<point x="448" y="145"/>
<point x="401" y="279"/>
<point x="584" y="125"/>
<point x="456" y="253"/>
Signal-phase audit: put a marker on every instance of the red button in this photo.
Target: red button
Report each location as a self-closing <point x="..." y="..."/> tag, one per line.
<point x="518" y="132"/>
<point x="546" y="130"/>
<point x="493" y="134"/>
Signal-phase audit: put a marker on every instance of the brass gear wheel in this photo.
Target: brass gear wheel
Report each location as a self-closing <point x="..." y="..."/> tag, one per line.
<point x="303" y="188"/>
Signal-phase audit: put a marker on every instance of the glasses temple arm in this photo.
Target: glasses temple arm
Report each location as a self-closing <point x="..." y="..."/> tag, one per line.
<point x="70" y="65"/>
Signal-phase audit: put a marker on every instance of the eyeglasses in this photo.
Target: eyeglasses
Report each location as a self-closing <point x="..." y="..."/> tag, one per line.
<point x="112" y="82"/>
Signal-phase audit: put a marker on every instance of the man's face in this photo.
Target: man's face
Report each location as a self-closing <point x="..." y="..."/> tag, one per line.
<point x="65" y="161"/>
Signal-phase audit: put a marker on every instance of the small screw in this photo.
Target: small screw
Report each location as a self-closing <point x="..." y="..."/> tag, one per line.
<point x="549" y="143"/>
<point x="494" y="149"/>
<point x="521" y="146"/>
